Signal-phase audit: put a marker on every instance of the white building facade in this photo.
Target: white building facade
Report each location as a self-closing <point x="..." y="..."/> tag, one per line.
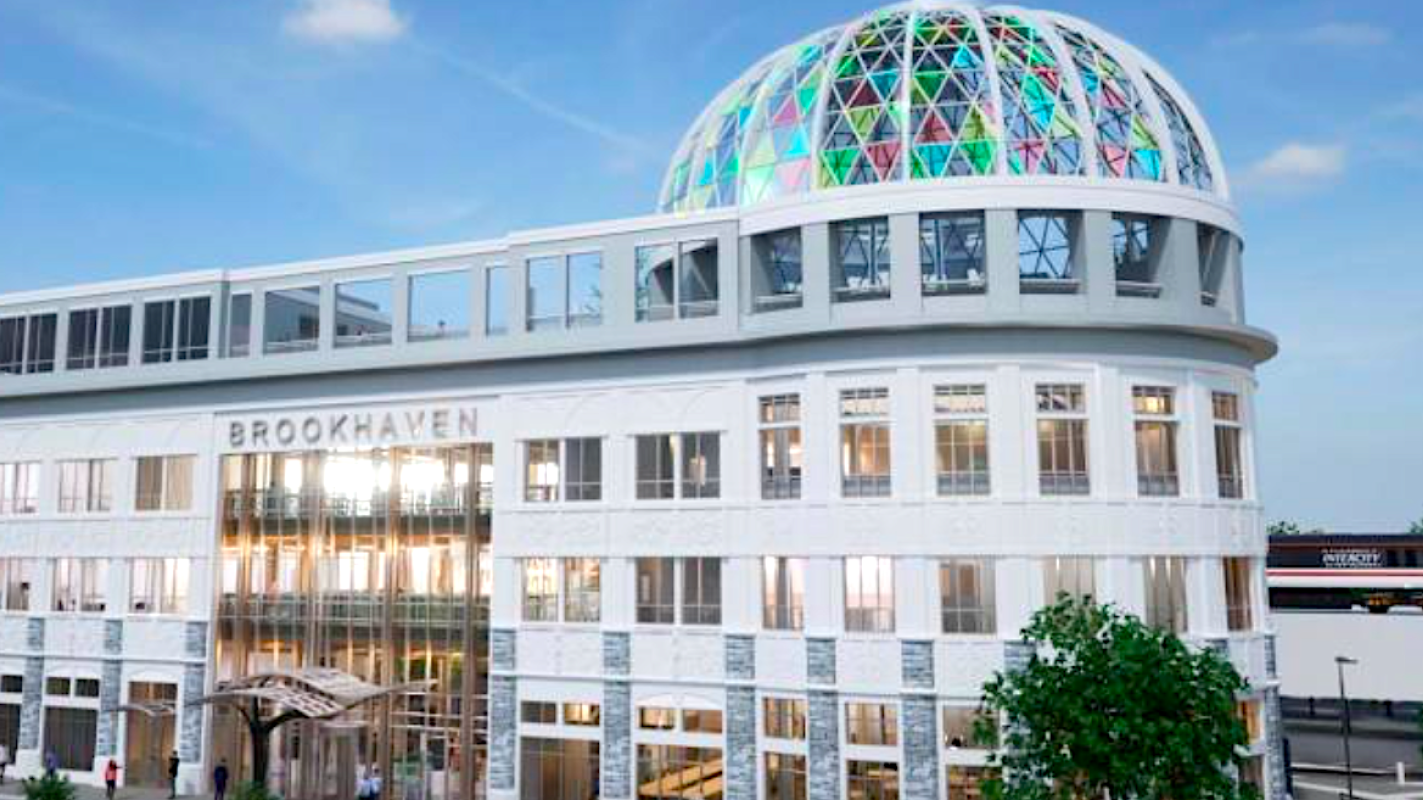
<point x="942" y="316"/>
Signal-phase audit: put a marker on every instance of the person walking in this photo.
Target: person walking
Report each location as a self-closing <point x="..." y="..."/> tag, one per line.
<point x="111" y="779"/>
<point x="173" y="775"/>
<point x="51" y="764"/>
<point x="219" y="780"/>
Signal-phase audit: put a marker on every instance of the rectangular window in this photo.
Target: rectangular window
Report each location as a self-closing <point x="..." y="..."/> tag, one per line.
<point x="684" y="465"/>
<point x="697" y="280"/>
<point x="871" y="780"/>
<point x="966" y="597"/>
<point x="58" y="687"/>
<point x="864" y="443"/>
<point x="961" y="729"/>
<point x="27" y="344"/>
<point x="1157" y="473"/>
<point x="700" y="720"/>
<point x="961" y="439"/>
<point x="80" y="585"/>
<point x="781" y="457"/>
<point x="951" y="253"/>
<point x="70" y="735"/>
<point x="1249" y="713"/>
<point x="778" y="280"/>
<point x="701" y="465"/>
<point x="863" y="262"/>
<point x="1062" y="439"/>
<point x="656" y="469"/>
<point x="570" y="468"/>
<point x="667" y="771"/>
<point x="20" y="487"/>
<point x="541" y="470"/>
<point x="439" y="306"/>
<point x="1133" y="254"/>
<point x="582" y="714"/>
<point x="537" y="712"/>
<point x="496" y="300"/>
<point x="365" y="312"/>
<point x="786" y="777"/>
<point x="12" y="684"/>
<point x="583" y="469"/>
<point x="701" y="591"/>
<point x="869" y="594"/>
<point x="19" y="576"/>
<point x="585" y="290"/>
<point x="1070" y="577"/>
<point x="656" y="718"/>
<point x="1046" y="257"/>
<point x="547" y="293"/>
<point x="1238" y="604"/>
<point x="676" y="281"/>
<point x="656" y="591"/>
<point x="293" y="320"/>
<point x="540" y="590"/>
<point x="239" y="325"/>
<point x="582" y="590"/>
<point x="1230" y="476"/>
<point x="558" y="769"/>
<point x="99" y="337"/>
<point x="86" y="486"/>
<point x="783" y="593"/>
<point x="176" y="330"/>
<point x="1165" y="593"/>
<point x="872" y="724"/>
<point x="159" y="586"/>
<point x="1212" y="251"/>
<point x="783" y="718"/>
<point x="656" y="282"/>
<point x="164" y="483"/>
<point x="964" y="782"/>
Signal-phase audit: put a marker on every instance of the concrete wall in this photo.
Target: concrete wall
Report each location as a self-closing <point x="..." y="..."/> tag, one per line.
<point x="1388" y="647"/>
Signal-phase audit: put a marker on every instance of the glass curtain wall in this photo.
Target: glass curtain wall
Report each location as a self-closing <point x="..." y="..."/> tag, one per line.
<point x="375" y="563"/>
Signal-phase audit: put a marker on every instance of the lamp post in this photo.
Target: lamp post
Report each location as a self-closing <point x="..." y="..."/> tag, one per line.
<point x="1340" y="662"/>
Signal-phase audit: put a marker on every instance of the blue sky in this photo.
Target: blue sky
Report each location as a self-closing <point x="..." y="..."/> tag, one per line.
<point x="144" y="136"/>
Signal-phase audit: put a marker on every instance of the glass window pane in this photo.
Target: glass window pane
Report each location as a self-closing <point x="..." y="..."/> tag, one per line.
<point x="585" y="289"/>
<point x="655" y="282"/>
<point x="547" y="293"/>
<point x="439" y="305"/>
<point x="496" y="301"/>
<point x="364" y="313"/>
<point x="239" y="326"/>
<point x="293" y="321"/>
<point x="698" y="281"/>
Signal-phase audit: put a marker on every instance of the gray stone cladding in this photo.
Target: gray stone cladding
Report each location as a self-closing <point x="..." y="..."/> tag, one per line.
<point x="113" y="638"/>
<point x="617" y="653"/>
<point x="1271" y="662"/>
<point x="34" y="634"/>
<point x="195" y="639"/>
<point x="106" y="737"/>
<point x="1016" y="655"/>
<point x="29" y="738"/>
<point x="917" y="664"/>
<point x="820" y="662"/>
<point x="503" y="731"/>
<point x="921" y="748"/>
<point x="740" y="743"/>
<point x="1274" y="745"/>
<point x="190" y="734"/>
<point x="740" y="658"/>
<point x="617" y="740"/>
<point x="824" y="745"/>
<point x="503" y="650"/>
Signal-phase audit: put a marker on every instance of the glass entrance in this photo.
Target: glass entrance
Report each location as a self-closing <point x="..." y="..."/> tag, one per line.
<point x="149" y="737"/>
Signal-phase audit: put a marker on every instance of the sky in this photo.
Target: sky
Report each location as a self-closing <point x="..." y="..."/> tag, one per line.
<point x="148" y="136"/>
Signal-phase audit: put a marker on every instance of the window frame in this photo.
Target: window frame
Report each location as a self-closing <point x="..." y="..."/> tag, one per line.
<point x="936" y="274"/>
<point x="864" y="578"/>
<point x="1069" y="425"/>
<point x="948" y="421"/>
<point x="781" y="446"/>
<point x="855" y="481"/>
<point x="970" y="619"/>
<point x="1163" y="421"/>
<point x="677" y="450"/>
<point x="679" y="305"/>
<point x="1228" y="429"/>
<point x="877" y="281"/>
<point x="790" y="579"/>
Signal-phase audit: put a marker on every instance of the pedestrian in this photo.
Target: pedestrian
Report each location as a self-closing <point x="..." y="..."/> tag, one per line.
<point x="51" y="764"/>
<point x="363" y="785"/>
<point x="219" y="780"/>
<point x="111" y="779"/>
<point x="173" y="775"/>
<point x="4" y="761"/>
<point x="375" y="783"/>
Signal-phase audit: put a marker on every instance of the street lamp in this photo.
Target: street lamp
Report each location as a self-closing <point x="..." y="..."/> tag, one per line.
<point x="1340" y="662"/>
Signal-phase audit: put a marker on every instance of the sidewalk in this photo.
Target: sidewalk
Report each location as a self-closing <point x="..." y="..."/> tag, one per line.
<point x="13" y="788"/>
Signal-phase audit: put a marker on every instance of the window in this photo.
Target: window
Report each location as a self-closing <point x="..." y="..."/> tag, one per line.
<point x="19" y="487"/>
<point x="558" y="769"/>
<point x="70" y="734"/>
<point x="656" y="718"/>
<point x="541" y="470"/>
<point x="781" y="457"/>
<point x="676" y="281"/>
<point x="18" y="576"/>
<point x="496" y="300"/>
<point x="1157" y="473"/>
<point x="786" y="777"/>
<point x="540" y="590"/>
<point x="783" y="718"/>
<point x="1045" y="252"/>
<point x="961" y="439"/>
<point x="80" y="584"/>
<point x="164" y="483"/>
<point x="1213" y="250"/>
<point x="700" y="720"/>
<point x="537" y="712"/>
<point x="872" y="724"/>
<point x="159" y="586"/>
<point x="869" y="594"/>
<point x="656" y="591"/>
<point x="567" y="468"/>
<point x="1248" y="711"/>
<point x="864" y="443"/>
<point x="965" y="783"/>
<point x="176" y="330"/>
<point x="585" y="290"/>
<point x="239" y="325"/>
<point x="365" y="313"/>
<point x="86" y="486"/>
<point x="439" y="306"/>
<point x="783" y="593"/>
<point x="961" y="728"/>
<point x="1238" y="605"/>
<point x="583" y="469"/>
<point x="1133" y="243"/>
<point x="27" y="344"/>
<point x="864" y="256"/>
<point x="99" y="337"/>
<point x="966" y="598"/>
<point x="1252" y="773"/>
<point x="547" y="293"/>
<point x="951" y="253"/>
<point x="1230" y="477"/>
<point x="701" y="591"/>
<point x="684" y="465"/>
<point x="1073" y="577"/>
<point x="582" y="590"/>
<point x="58" y="687"/>
<point x="778" y="283"/>
<point x="871" y="780"/>
<point x="585" y="714"/>
<point x="1062" y="439"/>
<point x="293" y="321"/>
<point x="1165" y="593"/>
<point x="666" y="771"/>
<point x="12" y="684"/>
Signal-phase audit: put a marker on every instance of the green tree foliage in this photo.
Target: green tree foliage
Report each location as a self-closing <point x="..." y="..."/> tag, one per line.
<point x="1283" y="527"/>
<point x="1109" y="708"/>
<point x="1416" y="528"/>
<point x="49" y="787"/>
<point x="251" y="790"/>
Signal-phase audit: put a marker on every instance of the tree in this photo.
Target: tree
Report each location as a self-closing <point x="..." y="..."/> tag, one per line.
<point x="1416" y="527"/>
<point x="1109" y="708"/>
<point x="1282" y="527"/>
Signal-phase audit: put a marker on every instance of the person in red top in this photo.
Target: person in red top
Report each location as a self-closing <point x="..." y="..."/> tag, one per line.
<point x="111" y="779"/>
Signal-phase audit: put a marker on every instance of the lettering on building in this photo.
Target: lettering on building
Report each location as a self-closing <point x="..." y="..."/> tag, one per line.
<point x="354" y="429"/>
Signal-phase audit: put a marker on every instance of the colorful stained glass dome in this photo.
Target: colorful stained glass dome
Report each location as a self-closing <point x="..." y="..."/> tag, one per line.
<point x="935" y="90"/>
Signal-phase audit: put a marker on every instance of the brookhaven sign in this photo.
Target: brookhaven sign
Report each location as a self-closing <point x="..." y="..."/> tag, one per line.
<point x="354" y="428"/>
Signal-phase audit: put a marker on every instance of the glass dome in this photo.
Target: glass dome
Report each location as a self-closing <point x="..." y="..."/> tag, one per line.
<point x="936" y="91"/>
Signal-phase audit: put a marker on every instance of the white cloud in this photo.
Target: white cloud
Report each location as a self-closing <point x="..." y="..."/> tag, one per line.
<point x="1296" y="163"/>
<point x="1346" y="34"/>
<point x="340" y="22"/>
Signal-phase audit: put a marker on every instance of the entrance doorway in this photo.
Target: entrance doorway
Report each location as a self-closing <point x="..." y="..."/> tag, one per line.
<point x="149" y="737"/>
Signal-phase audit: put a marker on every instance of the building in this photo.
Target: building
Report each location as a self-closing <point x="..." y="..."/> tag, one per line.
<point x="941" y="315"/>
